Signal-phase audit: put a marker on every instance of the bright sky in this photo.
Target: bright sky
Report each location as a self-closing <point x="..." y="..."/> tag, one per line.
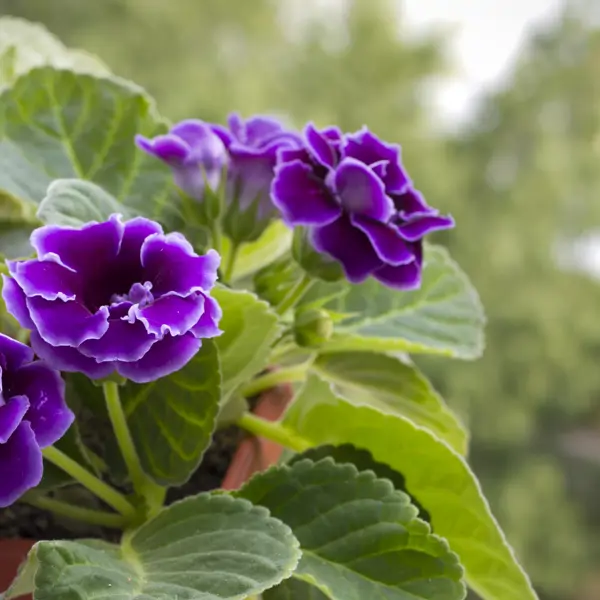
<point x="488" y="35"/>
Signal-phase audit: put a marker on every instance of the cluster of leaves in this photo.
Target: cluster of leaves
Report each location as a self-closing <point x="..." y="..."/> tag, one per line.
<point x="339" y="521"/>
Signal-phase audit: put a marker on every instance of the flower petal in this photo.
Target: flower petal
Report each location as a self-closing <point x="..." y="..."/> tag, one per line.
<point x="170" y="314"/>
<point x="11" y="415"/>
<point x="301" y="197"/>
<point x="67" y="323"/>
<point x="168" y="148"/>
<point x="89" y="247"/>
<point x="321" y="148"/>
<point x="350" y="246"/>
<point x="70" y="360"/>
<point x="369" y="149"/>
<point x="415" y="230"/>
<point x="171" y="265"/>
<point x="411" y="203"/>
<point x="165" y="357"/>
<point x="401" y="277"/>
<point x="21" y="464"/>
<point x="46" y="278"/>
<point x="16" y="302"/>
<point x="361" y="191"/>
<point x="123" y="340"/>
<point x="387" y="242"/>
<point x="134" y="235"/>
<point x="15" y="353"/>
<point x="208" y="324"/>
<point x="48" y="413"/>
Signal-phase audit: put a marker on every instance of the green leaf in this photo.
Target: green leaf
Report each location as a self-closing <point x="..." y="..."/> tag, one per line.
<point x="212" y="547"/>
<point x="23" y="583"/>
<point x="392" y="386"/>
<point x="25" y="45"/>
<point x="172" y="419"/>
<point x="62" y="125"/>
<point x="294" y="589"/>
<point x="444" y="316"/>
<point x="249" y="329"/>
<point x="17" y="221"/>
<point x="272" y="244"/>
<point x="437" y="475"/>
<point x="359" y="537"/>
<point x="74" y="202"/>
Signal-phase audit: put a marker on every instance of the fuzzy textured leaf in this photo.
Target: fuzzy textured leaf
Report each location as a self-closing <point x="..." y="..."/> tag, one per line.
<point x="437" y="475"/>
<point x="360" y="538"/>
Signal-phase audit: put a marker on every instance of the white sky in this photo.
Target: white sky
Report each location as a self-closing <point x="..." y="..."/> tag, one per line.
<point x="487" y="37"/>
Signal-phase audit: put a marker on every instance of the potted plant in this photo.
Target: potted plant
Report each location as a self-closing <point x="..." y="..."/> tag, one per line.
<point x="159" y="279"/>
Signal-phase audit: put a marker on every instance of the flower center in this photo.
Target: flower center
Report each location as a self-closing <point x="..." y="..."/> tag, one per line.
<point x="139" y="293"/>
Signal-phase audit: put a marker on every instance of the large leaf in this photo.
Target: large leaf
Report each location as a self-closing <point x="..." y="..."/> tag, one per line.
<point x="73" y="202"/>
<point x="250" y="327"/>
<point x="392" y="386"/>
<point x="359" y="537"/>
<point x="172" y="419"/>
<point x="444" y="316"/>
<point x="437" y="475"/>
<point x="61" y="124"/>
<point x="209" y="547"/>
<point x="294" y="589"/>
<point x="25" y="45"/>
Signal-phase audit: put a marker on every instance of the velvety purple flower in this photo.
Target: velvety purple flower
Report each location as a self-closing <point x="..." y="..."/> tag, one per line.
<point x="195" y="154"/>
<point x="252" y="146"/>
<point x="114" y="296"/>
<point x="354" y="196"/>
<point x="33" y="415"/>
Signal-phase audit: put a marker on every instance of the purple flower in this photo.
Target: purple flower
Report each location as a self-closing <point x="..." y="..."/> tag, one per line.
<point x="114" y="296"/>
<point x="193" y="152"/>
<point x="354" y="196"/>
<point x="252" y="146"/>
<point x="33" y="415"/>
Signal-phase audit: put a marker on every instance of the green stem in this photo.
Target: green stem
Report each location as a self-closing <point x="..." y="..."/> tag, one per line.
<point x="87" y="515"/>
<point x="294" y="295"/>
<point x="215" y="234"/>
<point x="273" y="431"/>
<point x="230" y="266"/>
<point x="141" y="483"/>
<point x="104" y="491"/>
<point x="269" y="380"/>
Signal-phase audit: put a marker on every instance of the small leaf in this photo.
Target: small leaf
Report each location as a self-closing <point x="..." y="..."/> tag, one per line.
<point x="434" y="473"/>
<point x="172" y="419"/>
<point x="444" y="316"/>
<point x="31" y="45"/>
<point x="212" y="547"/>
<point x="62" y="125"/>
<point x="393" y="386"/>
<point x="74" y="202"/>
<point x="272" y="244"/>
<point x="359" y="537"/>
<point x="250" y="327"/>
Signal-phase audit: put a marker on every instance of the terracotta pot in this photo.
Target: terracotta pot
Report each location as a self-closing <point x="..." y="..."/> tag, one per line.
<point x="257" y="454"/>
<point x="12" y="554"/>
<point x="253" y="455"/>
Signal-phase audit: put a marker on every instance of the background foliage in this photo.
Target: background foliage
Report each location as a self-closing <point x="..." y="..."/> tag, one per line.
<point x="521" y="180"/>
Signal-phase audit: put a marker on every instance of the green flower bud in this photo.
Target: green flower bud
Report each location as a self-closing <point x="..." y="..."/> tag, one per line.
<point x="312" y="328"/>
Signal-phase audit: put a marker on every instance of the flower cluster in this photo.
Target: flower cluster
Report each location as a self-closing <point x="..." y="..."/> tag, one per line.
<point x="114" y="296"/>
<point x="359" y="204"/>
<point x="33" y="415"/>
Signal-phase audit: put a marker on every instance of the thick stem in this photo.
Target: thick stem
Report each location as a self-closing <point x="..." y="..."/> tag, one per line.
<point x="87" y="515"/>
<point x="141" y="483"/>
<point x="273" y="431"/>
<point x="269" y="380"/>
<point x="294" y="295"/>
<point x="104" y="491"/>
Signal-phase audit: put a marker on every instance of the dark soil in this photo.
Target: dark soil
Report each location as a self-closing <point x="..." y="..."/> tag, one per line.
<point x="23" y="521"/>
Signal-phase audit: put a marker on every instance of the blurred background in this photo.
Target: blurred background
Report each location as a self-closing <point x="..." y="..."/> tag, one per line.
<point x="497" y="108"/>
